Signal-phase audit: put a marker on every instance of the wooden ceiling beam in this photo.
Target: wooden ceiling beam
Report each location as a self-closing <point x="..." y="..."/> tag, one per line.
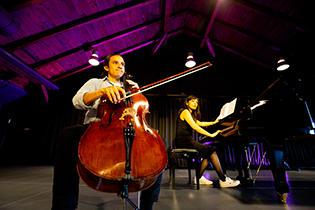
<point x="158" y="43"/>
<point x="281" y="17"/>
<point x="75" y="24"/>
<point x="25" y="71"/>
<point x="273" y="45"/>
<point x="122" y="52"/>
<point x="229" y="49"/>
<point x="12" y="6"/>
<point x="87" y="66"/>
<point x="248" y="34"/>
<point x="105" y="40"/>
<point x="211" y="21"/>
<point x="167" y="11"/>
<point x="264" y="11"/>
<point x="166" y="19"/>
<point x="163" y="38"/>
<point x="209" y="45"/>
<point x="96" y="43"/>
<point x="239" y="54"/>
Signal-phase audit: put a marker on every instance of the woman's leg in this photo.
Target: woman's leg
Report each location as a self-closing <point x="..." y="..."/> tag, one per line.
<point x="206" y="151"/>
<point x="217" y="166"/>
<point x="203" y="166"/>
<point x="224" y="181"/>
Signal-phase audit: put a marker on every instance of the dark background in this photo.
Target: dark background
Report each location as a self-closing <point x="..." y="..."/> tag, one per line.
<point x="30" y="137"/>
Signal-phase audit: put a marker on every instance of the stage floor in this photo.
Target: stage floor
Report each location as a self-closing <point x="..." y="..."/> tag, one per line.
<point x="30" y="188"/>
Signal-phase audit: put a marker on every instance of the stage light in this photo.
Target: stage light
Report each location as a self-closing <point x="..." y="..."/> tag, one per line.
<point x="190" y="62"/>
<point x="94" y="58"/>
<point x="282" y="64"/>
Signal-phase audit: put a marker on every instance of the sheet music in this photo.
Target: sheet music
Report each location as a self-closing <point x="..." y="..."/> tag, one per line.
<point x="227" y="109"/>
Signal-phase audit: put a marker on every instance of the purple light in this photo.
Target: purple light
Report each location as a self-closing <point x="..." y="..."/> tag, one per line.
<point x="207" y="176"/>
<point x="135" y="48"/>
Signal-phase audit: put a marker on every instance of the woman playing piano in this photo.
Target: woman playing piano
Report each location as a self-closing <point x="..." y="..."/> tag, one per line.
<point x="187" y="121"/>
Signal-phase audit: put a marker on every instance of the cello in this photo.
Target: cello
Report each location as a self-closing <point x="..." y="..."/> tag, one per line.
<point x="121" y="148"/>
<point x="121" y="153"/>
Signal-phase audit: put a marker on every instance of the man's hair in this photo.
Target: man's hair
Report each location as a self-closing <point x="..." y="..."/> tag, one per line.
<point x="106" y="63"/>
<point x="122" y="79"/>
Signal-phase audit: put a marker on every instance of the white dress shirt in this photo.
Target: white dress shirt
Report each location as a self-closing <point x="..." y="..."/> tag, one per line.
<point x="90" y="86"/>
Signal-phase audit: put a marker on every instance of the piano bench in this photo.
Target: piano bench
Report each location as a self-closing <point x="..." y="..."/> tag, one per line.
<point x="189" y="155"/>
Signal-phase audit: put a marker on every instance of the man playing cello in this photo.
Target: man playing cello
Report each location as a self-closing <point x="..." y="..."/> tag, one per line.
<point x="66" y="178"/>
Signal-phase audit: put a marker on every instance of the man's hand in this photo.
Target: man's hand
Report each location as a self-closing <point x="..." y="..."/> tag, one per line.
<point x="132" y="84"/>
<point x="114" y="93"/>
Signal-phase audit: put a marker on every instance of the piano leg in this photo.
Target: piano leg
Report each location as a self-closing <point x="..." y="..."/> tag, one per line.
<point x="275" y="156"/>
<point x="220" y="152"/>
<point x="244" y="174"/>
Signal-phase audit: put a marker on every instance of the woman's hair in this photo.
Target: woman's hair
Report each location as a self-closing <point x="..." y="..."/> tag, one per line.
<point x="196" y="115"/>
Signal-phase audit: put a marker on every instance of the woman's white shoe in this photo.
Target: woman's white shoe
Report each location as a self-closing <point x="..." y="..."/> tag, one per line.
<point x="203" y="181"/>
<point x="229" y="182"/>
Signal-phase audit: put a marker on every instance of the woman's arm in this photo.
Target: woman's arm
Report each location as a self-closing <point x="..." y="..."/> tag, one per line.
<point x="185" y="115"/>
<point x="204" y="124"/>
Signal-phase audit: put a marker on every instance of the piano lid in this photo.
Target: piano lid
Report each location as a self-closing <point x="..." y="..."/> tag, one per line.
<point x="283" y="88"/>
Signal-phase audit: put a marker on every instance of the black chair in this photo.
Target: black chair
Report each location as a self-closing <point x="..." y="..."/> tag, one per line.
<point x="189" y="155"/>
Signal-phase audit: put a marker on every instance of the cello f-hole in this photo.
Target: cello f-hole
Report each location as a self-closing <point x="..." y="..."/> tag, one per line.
<point x="109" y="120"/>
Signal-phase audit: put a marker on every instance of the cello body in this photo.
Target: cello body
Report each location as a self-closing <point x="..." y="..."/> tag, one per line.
<point x="121" y="148"/>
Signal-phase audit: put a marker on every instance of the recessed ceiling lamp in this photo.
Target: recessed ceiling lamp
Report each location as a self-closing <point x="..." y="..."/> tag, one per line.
<point x="8" y="24"/>
<point x="190" y="62"/>
<point x="282" y="64"/>
<point x="94" y="58"/>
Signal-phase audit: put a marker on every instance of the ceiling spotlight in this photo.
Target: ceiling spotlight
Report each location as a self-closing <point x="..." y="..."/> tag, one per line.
<point x="282" y="64"/>
<point x="94" y="58"/>
<point x="190" y="62"/>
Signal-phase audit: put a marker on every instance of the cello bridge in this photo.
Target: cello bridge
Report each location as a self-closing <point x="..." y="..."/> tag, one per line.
<point x="128" y="112"/>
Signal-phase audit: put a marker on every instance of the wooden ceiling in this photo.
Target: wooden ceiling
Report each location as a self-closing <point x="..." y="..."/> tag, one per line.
<point x="56" y="37"/>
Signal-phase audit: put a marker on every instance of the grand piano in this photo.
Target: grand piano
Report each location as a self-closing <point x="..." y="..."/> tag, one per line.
<point x="268" y="119"/>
